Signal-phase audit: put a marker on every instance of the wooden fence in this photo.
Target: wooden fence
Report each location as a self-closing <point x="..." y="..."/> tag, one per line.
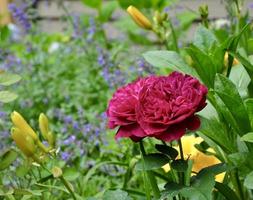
<point x="50" y="14"/>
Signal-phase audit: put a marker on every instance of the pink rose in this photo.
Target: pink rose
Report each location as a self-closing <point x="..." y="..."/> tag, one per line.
<point x="162" y="107"/>
<point x="121" y="110"/>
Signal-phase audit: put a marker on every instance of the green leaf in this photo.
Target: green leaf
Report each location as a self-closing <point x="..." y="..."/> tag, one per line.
<point x="180" y="165"/>
<point x="226" y="191"/>
<point x="153" y="161"/>
<point x="249" y="106"/>
<point x="4" y="33"/>
<point x="169" y="151"/>
<point x="7" y="79"/>
<point x="228" y="93"/>
<point x="139" y="4"/>
<point x="245" y="62"/>
<point x="186" y="18"/>
<point x="93" y="4"/>
<point x="200" y="189"/>
<point x="247" y="137"/>
<point x="217" y="132"/>
<point x="7" y="159"/>
<point x="241" y="79"/>
<point x="107" y="10"/>
<point x="7" y="96"/>
<point x="203" y="65"/>
<point x="22" y="170"/>
<point x="116" y="194"/>
<point x="248" y="182"/>
<point x="71" y="174"/>
<point x="204" y="183"/>
<point x="204" y="38"/>
<point x="231" y="45"/>
<point x="168" y="59"/>
<point x="215" y="169"/>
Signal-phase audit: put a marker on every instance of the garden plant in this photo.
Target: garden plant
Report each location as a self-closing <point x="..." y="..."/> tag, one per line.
<point x="150" y="114"/>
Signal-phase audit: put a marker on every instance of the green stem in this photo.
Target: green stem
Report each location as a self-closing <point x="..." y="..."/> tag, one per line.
<point x="181" y="149"/>
<point x="66" y="184"/>
<point x="237" y="184"/>
<point x="181" y="175"/>
<point x="174" y="37"/>
<point x="150" y="175"/>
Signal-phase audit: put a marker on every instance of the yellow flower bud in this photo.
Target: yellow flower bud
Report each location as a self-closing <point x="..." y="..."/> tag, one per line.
<point x="22" y="125"/>
<point x="24" y="142"/>
<point x="43" y="124"/>
<point x="139" y="18"/>
<point x="51" y="139"/>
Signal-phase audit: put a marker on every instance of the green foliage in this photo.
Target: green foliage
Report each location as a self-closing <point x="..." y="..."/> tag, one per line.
<point x="228" y="93"/>
<point x="168" y="60"/>
<point x="7" y="159"/>
<point x="152" y="161"/>
<point x="117" y="194"/>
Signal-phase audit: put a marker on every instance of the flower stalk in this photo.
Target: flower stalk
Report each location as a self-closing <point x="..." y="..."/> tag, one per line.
<point x="150" y="175"/>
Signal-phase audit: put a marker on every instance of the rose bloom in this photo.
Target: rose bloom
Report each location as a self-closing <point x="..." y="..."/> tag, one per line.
<point x="163" y="107"/>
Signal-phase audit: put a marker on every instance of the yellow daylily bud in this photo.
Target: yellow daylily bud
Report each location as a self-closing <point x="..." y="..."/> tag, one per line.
<point x="24" y="142"/>
<point x="43" y="124"/>
<point x="139" y="18"/>
<point x="51" y="139"/>
<point x="22" y="125"/>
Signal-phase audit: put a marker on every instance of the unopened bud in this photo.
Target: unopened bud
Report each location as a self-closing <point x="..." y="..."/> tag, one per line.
<point x="139" y="18"/>
<point x="24" y="142"/>
<point x="22" y="125"/>
<point x="158" y="18"/>
<point x="43" y="124"/>
<point x="51" y="139"/>
<point x="203" y="10"/>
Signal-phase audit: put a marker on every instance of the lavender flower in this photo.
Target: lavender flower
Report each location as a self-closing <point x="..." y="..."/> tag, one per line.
<point x="78" y="29"/>
<point x="65" y="156"/>
<point x="20" y="15"/>
<point x="91" y="30"/>
<point x="69" y="140"/>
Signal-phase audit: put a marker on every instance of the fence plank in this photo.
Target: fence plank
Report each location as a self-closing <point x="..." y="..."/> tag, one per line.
<point x="5" y="17"/>
<point x="216" y="8"/>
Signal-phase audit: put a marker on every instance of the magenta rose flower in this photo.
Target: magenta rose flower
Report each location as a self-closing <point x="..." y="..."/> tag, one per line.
<point x="163" y="107"/>
<point x="121" y="110"/>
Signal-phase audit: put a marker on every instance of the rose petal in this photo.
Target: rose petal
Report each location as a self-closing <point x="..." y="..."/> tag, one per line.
<point x="192" y="123"/>
<point x="134" y="131"/>
<point x="173" y="133"/>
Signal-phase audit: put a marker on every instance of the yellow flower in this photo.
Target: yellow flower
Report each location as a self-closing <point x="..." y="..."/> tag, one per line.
<point x="24" y="142"/>
<point x="139" y="18"/>
<point x="200" y="160"/>
<point x="20" y="123"/>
